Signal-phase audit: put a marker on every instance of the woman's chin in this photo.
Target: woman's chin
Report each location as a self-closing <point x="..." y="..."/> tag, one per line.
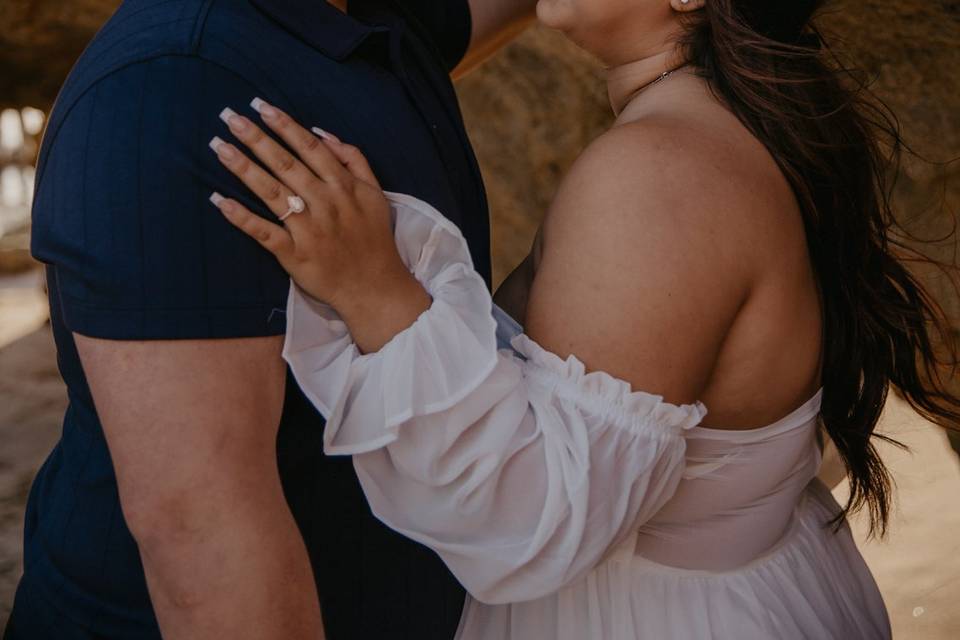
<point x="554" y="14"/>
<point x="569" y="18"/>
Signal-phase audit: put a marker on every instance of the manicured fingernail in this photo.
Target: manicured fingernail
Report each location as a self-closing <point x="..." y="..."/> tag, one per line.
<point x="268" y="111"/>
<point x="234" y="121"/>
<point x="326" y="135"/>
<point x="222" y="149"/>
<point x="225" y="206"/>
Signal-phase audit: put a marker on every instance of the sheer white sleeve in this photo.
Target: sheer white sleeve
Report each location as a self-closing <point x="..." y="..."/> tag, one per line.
<point x="519" y="468"/>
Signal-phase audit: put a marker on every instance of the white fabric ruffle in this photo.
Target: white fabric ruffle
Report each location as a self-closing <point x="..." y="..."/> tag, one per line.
<point x="600" y="392"/>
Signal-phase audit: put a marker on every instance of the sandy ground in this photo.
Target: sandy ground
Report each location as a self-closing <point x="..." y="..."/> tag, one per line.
<point x="918" y="563"/>
<point x="32" y="400"/>
<point x="917" y="566"/>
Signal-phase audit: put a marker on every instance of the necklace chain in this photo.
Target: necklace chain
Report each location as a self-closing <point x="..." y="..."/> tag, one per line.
<point x="660" y="78"/>
<point x="663" y="76"/>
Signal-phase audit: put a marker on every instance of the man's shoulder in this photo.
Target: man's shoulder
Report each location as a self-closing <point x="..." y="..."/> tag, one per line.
<point x="152" y="50"/>
<point x="140" y="30"/>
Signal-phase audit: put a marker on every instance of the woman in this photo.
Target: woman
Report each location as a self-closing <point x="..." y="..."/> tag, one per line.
<point x="722" y="246"/>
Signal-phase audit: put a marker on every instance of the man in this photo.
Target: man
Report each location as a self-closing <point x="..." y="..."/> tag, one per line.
<point x="189" y="495"/>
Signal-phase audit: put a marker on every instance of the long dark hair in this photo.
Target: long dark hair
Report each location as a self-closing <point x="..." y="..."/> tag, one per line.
<point x="840" y="148"/>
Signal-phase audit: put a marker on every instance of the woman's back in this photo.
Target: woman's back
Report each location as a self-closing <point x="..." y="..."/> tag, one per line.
<point x="740" y="488"/>
<point x="741" y="549"/>
<point x="698" y="196"/>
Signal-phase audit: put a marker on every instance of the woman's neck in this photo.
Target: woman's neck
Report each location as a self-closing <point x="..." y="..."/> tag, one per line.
<point x="339" y="4"/>
<point x="626" y="81"/>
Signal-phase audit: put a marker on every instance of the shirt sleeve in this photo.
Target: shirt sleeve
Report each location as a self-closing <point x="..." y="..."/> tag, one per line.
<point x="448" y="24"/>
<point x="521" y="469"/>
<point x="122" y="212"/>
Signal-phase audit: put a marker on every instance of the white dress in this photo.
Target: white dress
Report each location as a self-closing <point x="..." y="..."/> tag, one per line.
<point x="570" y="506"/>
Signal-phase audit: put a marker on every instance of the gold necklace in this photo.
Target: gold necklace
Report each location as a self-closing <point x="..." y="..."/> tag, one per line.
<point x="663" y="76"/>
<point x="660" y="78"/>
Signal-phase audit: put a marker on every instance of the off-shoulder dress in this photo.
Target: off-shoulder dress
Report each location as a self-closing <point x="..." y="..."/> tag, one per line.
<point x="569" y="505"/>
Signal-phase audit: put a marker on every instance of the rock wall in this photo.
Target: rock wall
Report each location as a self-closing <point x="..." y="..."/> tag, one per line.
<point x="39" y="42"/>
<point x="530" y="111"/>
<point x="912" y="49"/>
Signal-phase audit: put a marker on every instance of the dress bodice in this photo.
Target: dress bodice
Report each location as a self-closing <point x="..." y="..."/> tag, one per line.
<point x="739" y="488"/>
<point x="738" y="494"/>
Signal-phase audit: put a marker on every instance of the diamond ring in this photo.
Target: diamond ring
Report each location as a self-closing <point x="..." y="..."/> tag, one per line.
<point x="295" y="204"/>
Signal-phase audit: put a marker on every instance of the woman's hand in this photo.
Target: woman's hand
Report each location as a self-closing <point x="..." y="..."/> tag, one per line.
<point x="335" y="238"/>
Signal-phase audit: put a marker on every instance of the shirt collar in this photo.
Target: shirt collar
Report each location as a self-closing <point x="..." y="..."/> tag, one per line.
<point x="321" y="25"/>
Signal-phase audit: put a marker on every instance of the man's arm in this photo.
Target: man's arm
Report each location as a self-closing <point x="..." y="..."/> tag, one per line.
<point x="494" y="24"/>
<point x="191" y="427"/>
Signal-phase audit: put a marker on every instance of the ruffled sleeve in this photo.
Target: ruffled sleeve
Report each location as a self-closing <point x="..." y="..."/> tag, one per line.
<point x="428" y="368"/>
<point x="521" y="469"/>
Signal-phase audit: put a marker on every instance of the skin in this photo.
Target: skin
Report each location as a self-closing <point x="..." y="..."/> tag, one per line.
<point x="191" y="427"/>
<point x="699" y="285"/>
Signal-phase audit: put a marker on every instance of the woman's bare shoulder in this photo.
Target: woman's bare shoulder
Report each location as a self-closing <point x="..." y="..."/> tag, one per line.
<point x="709" y="188"/>
<point x="642" y="274"/>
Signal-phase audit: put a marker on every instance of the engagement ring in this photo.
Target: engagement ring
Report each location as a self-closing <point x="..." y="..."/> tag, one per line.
<point x="295" y="204"/>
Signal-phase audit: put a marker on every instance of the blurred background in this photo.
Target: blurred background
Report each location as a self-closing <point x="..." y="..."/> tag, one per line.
<point x="530" y="111"/>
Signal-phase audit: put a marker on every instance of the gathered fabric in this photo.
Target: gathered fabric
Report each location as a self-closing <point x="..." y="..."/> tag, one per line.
<point x="570" y="505"/>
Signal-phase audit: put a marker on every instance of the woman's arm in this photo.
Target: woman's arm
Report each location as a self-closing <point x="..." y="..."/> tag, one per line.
<point x="522" y="471"/>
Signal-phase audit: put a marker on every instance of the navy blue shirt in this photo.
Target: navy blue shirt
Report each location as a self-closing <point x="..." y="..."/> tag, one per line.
<point x="135" y="252"/>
